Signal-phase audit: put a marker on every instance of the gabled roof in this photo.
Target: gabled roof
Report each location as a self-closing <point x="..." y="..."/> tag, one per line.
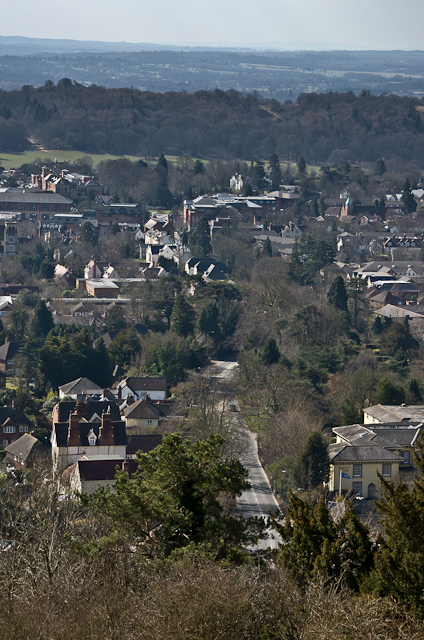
<point x="91" y="408"/>
<point x="16" y="415"/>
<point x="144" y="384"/>
<point x="396" y="413"/>
<point x="80" y="386"/>
<point x="26" y="447"/>
<point x="98" y="470"/>
<point x="142" y="410"/>
<point x="8" y="350"/>
<point x="340" y="452"/>
<point x="145" y="442"/>
<point x="61" y="431"/>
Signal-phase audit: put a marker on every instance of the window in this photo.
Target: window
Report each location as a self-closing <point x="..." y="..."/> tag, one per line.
<point x="56" y="207"/>
<point x="10" y="372"/>
<point x="357" y="470"/>
<point x="5" y="442"/>
<point x="387" y="470"/>
<point x="45" y="206"/>
<point x="357" y="488"/>
<point x="149" y="421"/>
<point x="8" y="429"/>
<point x="10" y="362"/>
<point x="33" y="206"/>
<point x="23" y="429"/>
<point x="406" y="457"/>
<point x="92" y="438"/>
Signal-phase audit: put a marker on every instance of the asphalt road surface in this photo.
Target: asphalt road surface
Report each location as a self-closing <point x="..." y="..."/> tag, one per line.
<point x="259" y="500"/>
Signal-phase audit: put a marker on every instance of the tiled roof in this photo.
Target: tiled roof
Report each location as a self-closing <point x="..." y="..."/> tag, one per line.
<point x="16" y="415"/>
<point x="345" y="453"/>
<point x="61" y="430"/>
<point x="145" y="442"/>
<point x="81" y="385"/>
<point x="145" y="384"/>
<point x="91" y="408"/>
<point x="26" y="447"/>
<point x="8" y="350"/>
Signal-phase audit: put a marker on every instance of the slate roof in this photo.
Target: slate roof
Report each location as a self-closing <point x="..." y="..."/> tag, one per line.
<point x="79" y="386"/>
<point x="97" y="470"/>
<point x="340" y="452"/>
<point x="396" y="413"/>
<point x="145" y="384"/>
<point x="61" y="430"/>
<point x="26" y="447"/>
<point x="145" y="442"/>
<point x="17" y="416"/>
<point x="8" y="350"/>
<point x="142" y="410"/>
<point x="92" y="408"/>
<point x="360" y="435"/>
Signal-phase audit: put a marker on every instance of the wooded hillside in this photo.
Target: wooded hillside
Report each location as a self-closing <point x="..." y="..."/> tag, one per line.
<point x="323" y="128"/>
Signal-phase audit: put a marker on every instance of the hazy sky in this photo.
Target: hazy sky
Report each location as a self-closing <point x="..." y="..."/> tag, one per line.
<point x="383" y="24"/>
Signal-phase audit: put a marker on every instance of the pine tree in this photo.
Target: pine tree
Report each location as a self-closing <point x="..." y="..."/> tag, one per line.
<point x="42" y="321"/>
<point x="301" y="165"/>
<point x="275" y="171"/>
<point x="314" y="464"/>
<point x="182" y="316"/>
<point x="389" y="393"/>
<point x="409" y="204"/>
<point x="400" y="563"/>
<point x="267" y="248"/>
<point x="270" y="353"/>
<point x="200" y="240"/>
<point x="380" y="167"/>
<point x="337" y="294"/>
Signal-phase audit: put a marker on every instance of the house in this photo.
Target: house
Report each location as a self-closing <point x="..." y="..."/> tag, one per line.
<point x="143" y="416"/>
<point x="80" y="311"/>
<point x="355" y="468"/>
<point x="88" y="409"/>
<point x="63" y="274"/>
<point x="291" y="230"/>
<point x="400" y="439"/>
<point x="13" y="424"/>
<point x="91" y="472"/>
<point x="9" y="357"/>
<point x="237" y="182"/>
<point x="383" y="414"/>
<point x="101" y="436"/>
<point x="144" y="442"/>
<point x="79" y="388"/>
<point x="139" y="388"/>
<point x="26" y="451"/>
<point x="103" y="288"/>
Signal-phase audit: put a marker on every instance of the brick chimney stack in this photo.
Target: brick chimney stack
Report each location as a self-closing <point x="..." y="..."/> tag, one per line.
<point x="81" y="409"/>
<point x="106" y="435"/>
<point x="73" y="430"/>
<point x="147" y="398"/>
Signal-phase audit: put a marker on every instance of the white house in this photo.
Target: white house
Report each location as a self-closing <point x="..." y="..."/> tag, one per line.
<point x="139" y="388"/>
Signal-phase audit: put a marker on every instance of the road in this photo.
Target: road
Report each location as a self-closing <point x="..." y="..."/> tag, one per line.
<point x="259" y="500"/>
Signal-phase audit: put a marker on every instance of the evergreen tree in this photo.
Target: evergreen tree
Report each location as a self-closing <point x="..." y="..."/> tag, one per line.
<point x="115" y="229"/>
<point x="337" y="294"/>
<point x="397" y="336"/>
<point x="409" y="204"/>
<point x="207" y="321"/>
<point x="314" y="465"/>
<point x="258" y="175"/>
<point x="99" y="367"/>
<point x="267" y="248"/>
<point x="200" y="240"/>
<point x="389" y="393"/>
<point x="380" y="167"/>
<point x="301" y="165"/>
<point x="317" y="547"/>
<point x="248" y="191"/>
<point x="42" y="321"/>
<point x="124" y="347"/>
<point x="270" y="353"/>
<point x="400" y="563"/>
<point x="182" y="316"/>
<point x="173" y="501"/>
<point x="275" y="171"/>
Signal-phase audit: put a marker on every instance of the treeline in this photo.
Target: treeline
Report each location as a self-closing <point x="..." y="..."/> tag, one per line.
<point x="329" y="127"/>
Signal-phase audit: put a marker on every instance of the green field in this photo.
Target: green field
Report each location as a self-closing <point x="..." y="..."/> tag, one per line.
<point x="14" y="160"/>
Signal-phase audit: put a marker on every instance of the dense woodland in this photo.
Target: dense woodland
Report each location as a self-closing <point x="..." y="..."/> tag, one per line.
<point x="322" y="128"/>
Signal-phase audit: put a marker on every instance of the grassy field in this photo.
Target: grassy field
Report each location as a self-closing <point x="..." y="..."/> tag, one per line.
<point x="14" y="160"/>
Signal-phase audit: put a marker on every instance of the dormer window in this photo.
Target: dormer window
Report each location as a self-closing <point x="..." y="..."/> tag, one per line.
<point x="92" y="438"/>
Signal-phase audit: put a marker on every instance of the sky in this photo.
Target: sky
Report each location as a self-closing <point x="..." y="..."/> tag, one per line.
<point x="373" y="24"/>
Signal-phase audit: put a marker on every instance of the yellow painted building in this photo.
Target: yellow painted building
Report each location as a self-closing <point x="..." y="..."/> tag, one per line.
<point x="359" y="466"/>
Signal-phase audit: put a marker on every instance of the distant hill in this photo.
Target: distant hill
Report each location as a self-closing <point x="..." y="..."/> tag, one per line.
<point x="327" y="128"/>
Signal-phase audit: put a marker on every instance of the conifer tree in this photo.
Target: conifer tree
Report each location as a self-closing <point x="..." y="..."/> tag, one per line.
<point x="42" y="321"/>
<point x="182" y="316"/>
<point x="267" y="248"/>
<point x="337" y="294"/>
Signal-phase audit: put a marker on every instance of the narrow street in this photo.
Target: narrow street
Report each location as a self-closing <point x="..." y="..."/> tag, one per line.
<point x="259" y="500"/>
